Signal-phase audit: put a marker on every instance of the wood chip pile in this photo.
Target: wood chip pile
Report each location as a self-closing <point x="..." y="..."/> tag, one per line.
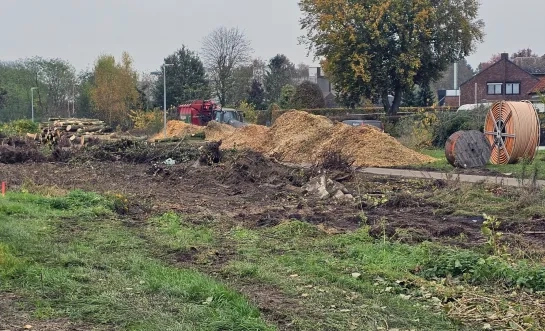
<point x="75" y="130"/>
<point x="300" y="137"/>
<point x="178" y="129"/>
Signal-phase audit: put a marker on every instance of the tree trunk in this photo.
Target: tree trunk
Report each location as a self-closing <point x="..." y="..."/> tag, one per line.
<point x="397" y="101"/>
<point x="386" y="102"/>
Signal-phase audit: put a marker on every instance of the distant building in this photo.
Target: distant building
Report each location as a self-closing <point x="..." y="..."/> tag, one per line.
<point x="504" y="80"/>
<point x="317" y="76"/>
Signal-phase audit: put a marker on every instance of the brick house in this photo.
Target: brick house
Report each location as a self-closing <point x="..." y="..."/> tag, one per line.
<point x="504" y="80"/>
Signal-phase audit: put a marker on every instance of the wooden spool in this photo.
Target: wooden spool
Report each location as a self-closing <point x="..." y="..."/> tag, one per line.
<point x="513" y="130"/>
<point x="468" y="149"/>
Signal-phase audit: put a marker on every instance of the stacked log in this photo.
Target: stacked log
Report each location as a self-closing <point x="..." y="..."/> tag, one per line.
<point x="77" y="131"/>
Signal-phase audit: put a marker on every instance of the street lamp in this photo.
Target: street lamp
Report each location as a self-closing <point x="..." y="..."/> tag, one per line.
<point x="32" y="100"/>
<point x="164" y="93"/>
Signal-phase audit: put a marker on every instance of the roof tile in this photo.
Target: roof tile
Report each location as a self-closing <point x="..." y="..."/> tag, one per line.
<point x="540" y="87"/>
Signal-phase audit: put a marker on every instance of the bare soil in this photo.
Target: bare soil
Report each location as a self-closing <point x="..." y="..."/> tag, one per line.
<point x="249" y="189"/>
<point x="256" y="191"/>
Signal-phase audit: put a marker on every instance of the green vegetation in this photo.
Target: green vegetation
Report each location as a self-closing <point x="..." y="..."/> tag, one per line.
<point x="522" y="170"/>
<point x="18" y="128"/>
<point x="70" y="257"/>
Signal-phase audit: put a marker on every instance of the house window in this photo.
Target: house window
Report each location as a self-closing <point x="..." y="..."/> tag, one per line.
<point x="494" y="88"/>
<point x="512" y="88"/>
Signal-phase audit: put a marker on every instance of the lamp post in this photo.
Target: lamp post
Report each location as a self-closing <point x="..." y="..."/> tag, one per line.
<point x="164" y="94"/>
<point x="32" y="100"/>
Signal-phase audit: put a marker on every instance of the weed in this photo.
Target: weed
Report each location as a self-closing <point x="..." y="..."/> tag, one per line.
<point x="493" y="236"/>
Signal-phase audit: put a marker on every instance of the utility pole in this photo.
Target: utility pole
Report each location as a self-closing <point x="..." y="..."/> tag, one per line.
<point x="164" y="94"/>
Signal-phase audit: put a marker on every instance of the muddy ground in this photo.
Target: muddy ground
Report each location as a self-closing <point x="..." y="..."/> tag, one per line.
<point x="255" y="191"/>
<point x="251" y="190"/>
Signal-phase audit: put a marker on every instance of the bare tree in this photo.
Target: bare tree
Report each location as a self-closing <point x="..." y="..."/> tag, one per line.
<point x="224" y="50"/>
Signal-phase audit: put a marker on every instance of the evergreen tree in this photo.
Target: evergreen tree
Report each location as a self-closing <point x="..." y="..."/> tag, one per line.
<point x="256" y="95"/>
<point x="410" y="98"/>
<point x="426" y="97"/>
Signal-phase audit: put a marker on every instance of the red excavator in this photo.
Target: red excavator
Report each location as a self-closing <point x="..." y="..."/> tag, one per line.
<point x="200" y="112"/>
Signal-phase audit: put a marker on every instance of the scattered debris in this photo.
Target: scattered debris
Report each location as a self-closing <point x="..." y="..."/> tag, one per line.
<point x="325" y="188"/>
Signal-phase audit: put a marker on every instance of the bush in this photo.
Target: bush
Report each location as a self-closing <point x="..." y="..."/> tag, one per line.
<point x="250" y="114"/>
<point x="432" y="129"/>
<point x="449" y="123"/>
<point x="147" y="121"/>
<point x="19" y="128"/>
<point x="308" y="95"/>
<point x="286" y="96"/>
<point x="417" y="131"/>
<point x="481" y="269"/>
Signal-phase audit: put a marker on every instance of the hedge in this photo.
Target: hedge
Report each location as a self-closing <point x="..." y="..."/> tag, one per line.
<point x="369" y="112"/>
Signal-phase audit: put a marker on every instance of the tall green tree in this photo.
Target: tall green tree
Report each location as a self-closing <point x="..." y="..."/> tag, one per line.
<point x="380" y="47"/>
<point x="242" y="80"/>
<point x="223" y="51"/>
<point x="256" y="95"/>
<point x="17" y="79"/>
<point x="186" y="79"/>
<point x="280" y="72"/>
<point x="84" y="102"/>
<point x="3" y="94"/>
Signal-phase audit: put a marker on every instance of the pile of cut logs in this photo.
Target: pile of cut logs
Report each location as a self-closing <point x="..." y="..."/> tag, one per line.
<point x="75" y="130"/>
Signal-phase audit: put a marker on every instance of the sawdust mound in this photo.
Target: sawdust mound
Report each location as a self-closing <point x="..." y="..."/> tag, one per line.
<point x="178" y="129"/>
<point x="253" y="137"/>
<point x="369" y="147"/>
<point x="300" y="137"/>
<point x="216" y="131"/>
<point x="294" y="136"/>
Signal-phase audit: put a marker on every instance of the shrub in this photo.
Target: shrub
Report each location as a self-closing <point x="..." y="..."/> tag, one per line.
<point x="250" y="114"/>
<point x="449" y="123"/>
<point x="286" y="96"/>
<point x="308" y="95"/>
<point x="432" y="129"/>
<point x="481" y="269"/>
<point x="19" y="128"/>
<point x="417" y="131"/>
<point x="148" y="121"/>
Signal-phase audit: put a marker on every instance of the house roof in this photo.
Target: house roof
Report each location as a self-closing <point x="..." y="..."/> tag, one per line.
<point x="533" y="65"/>
<point x="539" y="88"/>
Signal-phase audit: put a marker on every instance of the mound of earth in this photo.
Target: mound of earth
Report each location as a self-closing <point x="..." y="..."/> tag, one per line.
<point x="300" y="137"/>
<point x="178" y="129"/>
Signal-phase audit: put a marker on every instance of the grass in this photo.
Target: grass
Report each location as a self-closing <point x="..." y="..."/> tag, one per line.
<point x="312" y="271"/>
<point x="352" y="281"/>
<point x="519" y="170"/>
<point x="70" y="257"/>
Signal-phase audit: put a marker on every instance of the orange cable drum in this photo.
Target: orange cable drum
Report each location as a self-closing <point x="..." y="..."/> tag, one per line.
<point x="512" y="129"/>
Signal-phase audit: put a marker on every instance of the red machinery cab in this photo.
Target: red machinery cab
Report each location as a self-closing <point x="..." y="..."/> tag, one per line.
<point x="199" y="112"/>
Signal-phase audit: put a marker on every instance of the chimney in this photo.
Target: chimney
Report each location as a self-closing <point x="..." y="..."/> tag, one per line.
<point x="505" y="56"/>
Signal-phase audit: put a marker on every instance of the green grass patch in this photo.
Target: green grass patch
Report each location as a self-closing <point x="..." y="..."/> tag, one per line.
<point x="521" y="170"/>
<point x="70" y="257"/>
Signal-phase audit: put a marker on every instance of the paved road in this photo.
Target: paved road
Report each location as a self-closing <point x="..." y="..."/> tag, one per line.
<point x="439" y="175"/>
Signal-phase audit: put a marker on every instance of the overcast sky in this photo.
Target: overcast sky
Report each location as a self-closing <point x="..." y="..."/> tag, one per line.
<point x="80" y="30"/>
